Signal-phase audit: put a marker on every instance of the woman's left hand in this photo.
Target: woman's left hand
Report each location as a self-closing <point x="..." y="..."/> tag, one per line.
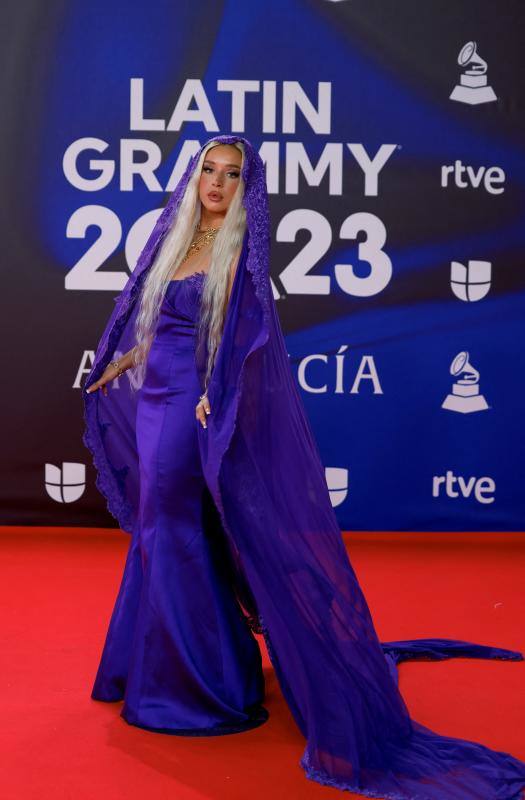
<point x="202" y="409"/>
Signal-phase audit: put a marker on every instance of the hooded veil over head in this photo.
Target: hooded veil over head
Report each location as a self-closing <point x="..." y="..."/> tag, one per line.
<point x="293" y="577"/>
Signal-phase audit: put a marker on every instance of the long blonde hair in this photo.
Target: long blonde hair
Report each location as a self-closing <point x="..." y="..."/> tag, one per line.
<point x="214" y="299"/>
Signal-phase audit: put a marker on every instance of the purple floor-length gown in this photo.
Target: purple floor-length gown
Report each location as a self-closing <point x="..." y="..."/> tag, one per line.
<point x="178" y="650"/>
<point x="289" y="568"/>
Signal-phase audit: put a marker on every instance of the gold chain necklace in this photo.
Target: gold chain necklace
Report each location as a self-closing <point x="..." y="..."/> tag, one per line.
<point x="208" y="235"/>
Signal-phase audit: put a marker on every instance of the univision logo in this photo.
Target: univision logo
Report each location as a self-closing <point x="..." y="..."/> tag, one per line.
<point x="337" y="481"/>
<point x="472" y="282"/>
<point x="67" y="483"/>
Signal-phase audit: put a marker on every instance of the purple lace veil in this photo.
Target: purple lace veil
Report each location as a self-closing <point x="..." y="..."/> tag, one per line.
<point x="294" y="579"/>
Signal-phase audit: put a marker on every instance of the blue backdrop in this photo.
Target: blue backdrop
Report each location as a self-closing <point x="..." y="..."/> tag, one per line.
<point x="393" y="139"/>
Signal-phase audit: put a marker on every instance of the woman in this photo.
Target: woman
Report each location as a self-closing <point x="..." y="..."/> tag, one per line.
<point x="206" y="456"/>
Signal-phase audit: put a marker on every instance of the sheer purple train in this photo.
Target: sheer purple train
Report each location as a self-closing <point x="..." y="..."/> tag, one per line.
<point x="250" y="541"/>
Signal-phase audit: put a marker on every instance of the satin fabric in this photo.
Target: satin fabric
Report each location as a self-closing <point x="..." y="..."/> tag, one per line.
<point x="290" y="569"/>
<point x="178" y="650"/>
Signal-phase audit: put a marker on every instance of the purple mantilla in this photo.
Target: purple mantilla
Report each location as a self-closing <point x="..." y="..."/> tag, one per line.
<point x="264" y="472"/>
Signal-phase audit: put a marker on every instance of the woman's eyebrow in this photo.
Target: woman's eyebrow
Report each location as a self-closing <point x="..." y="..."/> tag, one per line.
<point x="209" y="161"/>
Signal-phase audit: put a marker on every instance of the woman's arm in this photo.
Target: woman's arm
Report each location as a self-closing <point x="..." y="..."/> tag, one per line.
<point x="112" y="371"/>
<point x="126" y="361"/>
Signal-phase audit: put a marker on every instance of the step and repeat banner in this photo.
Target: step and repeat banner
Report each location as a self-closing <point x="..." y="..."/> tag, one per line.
<point x="393" y="138"/>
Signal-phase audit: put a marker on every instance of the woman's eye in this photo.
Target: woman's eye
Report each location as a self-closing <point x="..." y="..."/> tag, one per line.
<point x="232" y="174"/>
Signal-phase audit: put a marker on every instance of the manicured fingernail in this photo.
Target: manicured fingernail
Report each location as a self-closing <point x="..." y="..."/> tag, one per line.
<point x="208" y="410"/>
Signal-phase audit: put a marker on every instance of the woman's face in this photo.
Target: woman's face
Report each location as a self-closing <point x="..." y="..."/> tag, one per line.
<point x="220" y="177"/>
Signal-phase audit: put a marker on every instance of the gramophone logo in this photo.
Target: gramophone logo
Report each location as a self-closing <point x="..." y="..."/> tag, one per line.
<point x="337" y="481"/>
<point x="465" y="396"/>
<point x="471" y="282"/>
<point x="472" y="88"/>
<point x="66" y="484"/>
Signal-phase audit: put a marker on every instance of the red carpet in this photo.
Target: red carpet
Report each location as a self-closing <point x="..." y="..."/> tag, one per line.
<point x="57" y="591"/>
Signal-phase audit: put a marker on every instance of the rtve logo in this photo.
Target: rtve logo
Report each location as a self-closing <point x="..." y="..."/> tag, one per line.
<point x="482" y="488"/>
<point x="65" y="484"/>
<point x="469" y="177"/>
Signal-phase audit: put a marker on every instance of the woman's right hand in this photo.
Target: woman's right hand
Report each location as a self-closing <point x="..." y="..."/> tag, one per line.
<point x="110" y="373"/>
<point x="113" y="370"/>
